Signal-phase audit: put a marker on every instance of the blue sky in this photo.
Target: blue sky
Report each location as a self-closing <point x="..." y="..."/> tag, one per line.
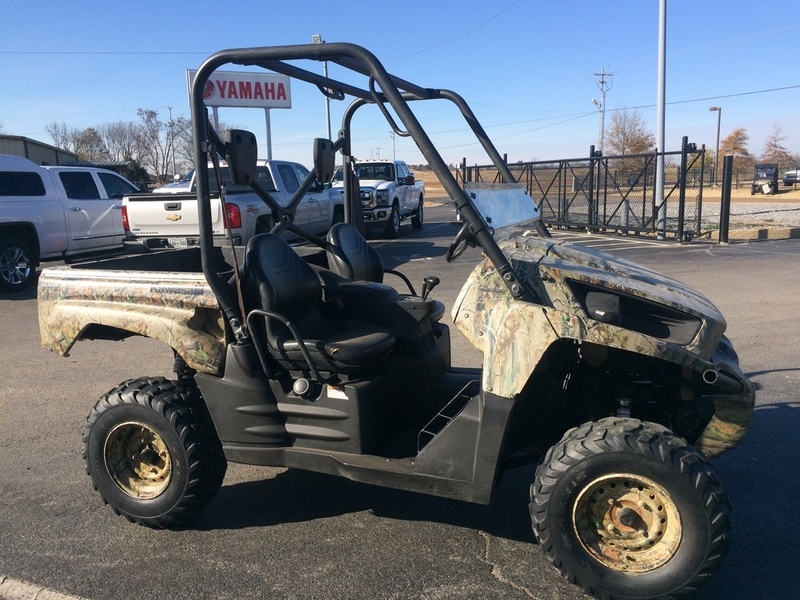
<point x="525" y="66"/>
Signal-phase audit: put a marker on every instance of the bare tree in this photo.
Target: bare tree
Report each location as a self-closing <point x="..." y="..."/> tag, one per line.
<point x="182" y="143"/>
<point x="63" y="135"/>
<point x="120" y="139"/>
<point x="628" y="134"/>
<point x="184" y="151"/>
<point x="775" y="151"/>
<point x="153" y="145"/>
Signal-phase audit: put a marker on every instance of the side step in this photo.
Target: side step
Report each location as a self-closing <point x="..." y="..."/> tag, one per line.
<point x="449" y="412"/>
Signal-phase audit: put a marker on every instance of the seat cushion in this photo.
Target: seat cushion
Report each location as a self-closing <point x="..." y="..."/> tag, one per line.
<point x="357" y="345"/>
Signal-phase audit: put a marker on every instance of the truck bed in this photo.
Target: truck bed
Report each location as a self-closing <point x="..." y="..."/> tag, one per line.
<point x="162" y="295"/>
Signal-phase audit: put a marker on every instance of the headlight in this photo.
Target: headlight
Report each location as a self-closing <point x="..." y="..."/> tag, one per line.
<point x="382" y="197"/>
<point x="634" y="313"/>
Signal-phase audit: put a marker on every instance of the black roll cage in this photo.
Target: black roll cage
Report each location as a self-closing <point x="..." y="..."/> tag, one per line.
<point x="382" y="88"/>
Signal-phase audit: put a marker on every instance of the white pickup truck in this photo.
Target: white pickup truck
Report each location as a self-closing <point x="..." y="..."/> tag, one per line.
<point x="170" y="220"/>
<point x="389" y="194"/>
<point x="54" y="213"/>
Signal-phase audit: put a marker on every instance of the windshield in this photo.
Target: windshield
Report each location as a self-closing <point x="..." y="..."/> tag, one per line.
<point x="503" y="205"/>
<point x="384" y="171"/>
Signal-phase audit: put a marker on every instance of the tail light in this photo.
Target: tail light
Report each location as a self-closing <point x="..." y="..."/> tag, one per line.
<point x="125" y="225"/>
<point x="234" y="216"/>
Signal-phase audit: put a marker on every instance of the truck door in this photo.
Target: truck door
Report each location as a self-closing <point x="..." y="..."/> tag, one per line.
<point x="90" y="216"/>
<point x="403" y="189"/>
<point x="318" y="204"/>
<point x="290" y="184"/>
<point x="115" y="188"/>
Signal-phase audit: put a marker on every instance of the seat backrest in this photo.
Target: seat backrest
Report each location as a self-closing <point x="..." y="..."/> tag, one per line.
<point x="350" y="256"/>
<point x="280" y="281"/>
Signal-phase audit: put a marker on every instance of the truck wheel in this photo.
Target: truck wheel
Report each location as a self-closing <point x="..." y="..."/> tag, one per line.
<point x="627" y="509"/>
<point x="416" y="220"/>
<point x="393" y="224"/>
<point x="152" y="452"/>
<point x="16" y="268"/>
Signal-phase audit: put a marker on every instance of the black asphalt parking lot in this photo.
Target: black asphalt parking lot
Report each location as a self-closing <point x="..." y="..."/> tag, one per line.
<point x="276" y="533"/>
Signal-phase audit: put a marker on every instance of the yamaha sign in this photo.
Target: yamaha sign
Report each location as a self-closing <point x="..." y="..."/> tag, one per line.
<point x="245" y="90"/>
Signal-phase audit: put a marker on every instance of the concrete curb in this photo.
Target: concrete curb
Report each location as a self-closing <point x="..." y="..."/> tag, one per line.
<point x="11" y="589"/>
<point x="771" y="233"/>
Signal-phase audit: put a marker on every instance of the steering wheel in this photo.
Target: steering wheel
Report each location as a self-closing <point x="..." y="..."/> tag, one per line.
<point x="463" y="239"/>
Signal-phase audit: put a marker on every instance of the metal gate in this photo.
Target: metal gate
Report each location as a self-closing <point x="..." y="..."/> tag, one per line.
<point x="617" y="193"/>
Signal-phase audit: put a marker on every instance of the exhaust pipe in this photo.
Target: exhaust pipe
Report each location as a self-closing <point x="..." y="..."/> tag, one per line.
<point x="725" y="383"/>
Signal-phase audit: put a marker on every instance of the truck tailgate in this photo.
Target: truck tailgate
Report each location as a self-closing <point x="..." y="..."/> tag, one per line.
<point x="169" y="215"/>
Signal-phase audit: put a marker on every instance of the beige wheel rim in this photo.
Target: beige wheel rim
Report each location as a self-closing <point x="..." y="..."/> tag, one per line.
<point x="138" y="460"/>
<point x="627" y="522"/>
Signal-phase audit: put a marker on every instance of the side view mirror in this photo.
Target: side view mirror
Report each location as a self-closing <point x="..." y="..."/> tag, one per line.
<point x="241" y="152"/>
<point x="324" y="160"/>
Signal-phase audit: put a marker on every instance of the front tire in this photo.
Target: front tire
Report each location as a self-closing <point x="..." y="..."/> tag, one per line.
<point x="627" y="509"/>
<point x="393" y="224"/>
<point x="152" y="452"/>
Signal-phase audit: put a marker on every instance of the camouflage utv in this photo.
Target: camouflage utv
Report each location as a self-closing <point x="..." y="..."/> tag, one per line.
<point x="617" y="381"/>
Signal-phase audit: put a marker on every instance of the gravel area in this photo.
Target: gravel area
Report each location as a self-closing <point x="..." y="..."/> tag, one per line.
<point x="745" y="215"/>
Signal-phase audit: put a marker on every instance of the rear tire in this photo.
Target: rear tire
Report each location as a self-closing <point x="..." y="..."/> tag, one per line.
<point x="417" y="219"/>
<point x="16" y="267"/>
<point x="152" y="452"/>
<point x="627" y="509"/>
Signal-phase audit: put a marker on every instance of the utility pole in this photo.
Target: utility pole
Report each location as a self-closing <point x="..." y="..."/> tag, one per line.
<point x="601" y="106"/>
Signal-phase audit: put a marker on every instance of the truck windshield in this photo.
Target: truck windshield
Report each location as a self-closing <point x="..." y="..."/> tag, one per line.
<point x="381" y="171"/>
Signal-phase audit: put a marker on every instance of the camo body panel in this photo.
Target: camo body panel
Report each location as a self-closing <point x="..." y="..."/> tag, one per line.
<point x="513" y="334"/>
<point x="178" y="309"/>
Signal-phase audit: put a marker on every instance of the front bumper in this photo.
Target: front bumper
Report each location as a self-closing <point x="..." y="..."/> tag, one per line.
<point x="734" y="399"/>
<point x="379" y="214"/>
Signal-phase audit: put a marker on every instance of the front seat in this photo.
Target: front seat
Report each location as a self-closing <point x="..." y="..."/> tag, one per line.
<point x="287" y="289"/>
<point x="351" y="257"/>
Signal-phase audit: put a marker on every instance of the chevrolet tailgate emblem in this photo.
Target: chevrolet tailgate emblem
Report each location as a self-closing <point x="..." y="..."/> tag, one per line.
<point x="173" y="217"/>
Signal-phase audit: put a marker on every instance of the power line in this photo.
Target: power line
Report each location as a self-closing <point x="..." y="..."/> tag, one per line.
<point x="463" y="35"/>
<point x="103" y="53"/>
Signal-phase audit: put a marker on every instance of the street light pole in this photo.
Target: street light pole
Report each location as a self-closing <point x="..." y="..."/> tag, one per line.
<point x="172" y="141"/>
<point x="718" y="110"/>
<point x="317" y="39"/>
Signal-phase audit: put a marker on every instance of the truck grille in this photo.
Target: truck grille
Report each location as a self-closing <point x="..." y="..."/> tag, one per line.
<point x="367" y="200"/>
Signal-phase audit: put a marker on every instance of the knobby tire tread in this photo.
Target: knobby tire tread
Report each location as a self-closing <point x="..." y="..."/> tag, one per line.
<point x="183" y="409"/>
<point x="644" y="439"/>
